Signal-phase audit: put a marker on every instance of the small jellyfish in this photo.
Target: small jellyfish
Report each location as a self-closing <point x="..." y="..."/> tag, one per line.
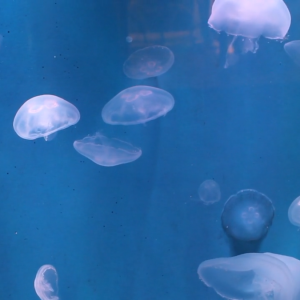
<point x="209" y="192"/>
<point x="247" y="215"/>
<point x="250" y="19"/>
<point x="106" y="152"/>
<point x="294" y="212"/>
<point x="137" y="105"/>
<point x="293" y="50"/>
<point x="148" y="62"/>
<point x="46" y="283"/>
<point x="44" y="115"/>
<point x="253" y="276"/>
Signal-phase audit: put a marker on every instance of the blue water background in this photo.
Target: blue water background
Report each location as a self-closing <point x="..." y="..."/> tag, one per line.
<point x="137" y="231"/>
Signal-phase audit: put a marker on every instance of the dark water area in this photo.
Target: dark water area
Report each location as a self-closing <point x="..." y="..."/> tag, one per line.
<point x="138" y="231"/>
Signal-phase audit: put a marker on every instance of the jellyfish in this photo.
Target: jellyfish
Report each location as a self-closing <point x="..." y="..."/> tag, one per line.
<point x="253" y="276"/>
<point x="148" y="62"/>
<point x="46" y="283"/>
<point x="247" y="215"/>
<point x="137" y="105"/>
<point x="43" y="116"/>
<point x="294" y="212"/>
<point x="250" y="19"/>
<point x="106" y="152"/>
<point x="293" y="50"/>
<point x="209" y="192"/>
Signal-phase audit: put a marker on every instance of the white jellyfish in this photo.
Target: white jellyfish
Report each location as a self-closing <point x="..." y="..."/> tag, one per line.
<point x="294" y="212"/>
<point x="293" y="50"/>
<point x="253" y="276"/>
<point x="250" y="19"/>
<point x="247" y="215"/>
<point x="106" y="152"/>
<point x="44" y="115"/>
<point x="148" y="62"/>
<point x="209" y="192"/>
<point x="136" y="105"/>
<point x="46" y="283"/>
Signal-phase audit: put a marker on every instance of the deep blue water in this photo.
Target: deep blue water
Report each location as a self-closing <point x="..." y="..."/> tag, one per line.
<point x="137" y="231"/>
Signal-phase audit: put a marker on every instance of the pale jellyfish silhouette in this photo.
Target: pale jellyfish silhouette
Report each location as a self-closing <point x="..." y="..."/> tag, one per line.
<point x="253" y="276"/>
<point x="106" y="152"/>
<point x="247" y="215"/>
<point x="293" y="50"/>
<point x="209" y="192"/>
<point x="148" y="62"/>
<point x="136" y="105"/>
<point x="46" y="283"/>
<point x="249" y="19"/>
<point x="294" y="212"/>
<point x="44" y="115"/>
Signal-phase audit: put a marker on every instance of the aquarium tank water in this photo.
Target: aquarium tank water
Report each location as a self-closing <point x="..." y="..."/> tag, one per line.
<point x="150" y="150"/>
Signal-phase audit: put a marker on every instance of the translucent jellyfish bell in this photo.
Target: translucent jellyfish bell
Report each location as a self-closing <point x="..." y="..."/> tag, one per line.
<point x="253" y="276"/>
<point x="294" y="212"/>
<point x="46" y="283"/>
<point x="209" y="192"/>
<point x="293" y="50"/>
<point x="136" y="105"/>
<point x="251" y="19"/>
<point x="106" y="152"/>
<point x="247" y="215"/>
<point x="148" y="62"/>
<point x="44" y="115"/>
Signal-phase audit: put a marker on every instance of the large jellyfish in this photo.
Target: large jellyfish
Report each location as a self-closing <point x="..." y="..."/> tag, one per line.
<point x="250" y="19"/>
<point x="106" y="152"/>
<point x="46" y="283"/>
<point x="253" y="276"/>
<point x="136" y="105"/>
<point x="209" y="192"/>
<point x="294" y="212"/>
<point x="44" y="115"/>
<point x="293" y="50"/>
<point x="247" y="215"/>
<point x="148" y="62"/>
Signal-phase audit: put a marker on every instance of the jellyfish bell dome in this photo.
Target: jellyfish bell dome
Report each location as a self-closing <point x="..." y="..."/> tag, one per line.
<point x="259" y="276"/>
<point x="246" y="21"/>
<point x="43" y="115"/>
<point x="209" y="192"/>
<point x="137" y="105"/>
<point x="247" y="215"/>
<point x="293" y="50"/>
<point x="148" y="62"/>
<point x="294" y="212"/>
<point x="251" y="18"/>
<point x="46" y="283"/>
<point x="106" y="152"/>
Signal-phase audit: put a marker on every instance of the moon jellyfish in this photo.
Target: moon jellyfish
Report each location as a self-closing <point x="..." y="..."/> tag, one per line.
<point x="250" y="19"/>
<point x="106" y="152"/>
<point x="247" y="215"/>
<point x="253" y="276"/>
<point x="148" y="62"/>
<point x="44" y="115"/>
<point x="136" y="105"/>
<point x="209" y="192"/>
<point x="46" y="283"/>
<point x="294" y="212"/>
<point x="293" y="51"/>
